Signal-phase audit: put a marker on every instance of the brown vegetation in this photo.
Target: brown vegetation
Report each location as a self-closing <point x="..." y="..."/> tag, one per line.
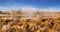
<point x="35" y="24"/>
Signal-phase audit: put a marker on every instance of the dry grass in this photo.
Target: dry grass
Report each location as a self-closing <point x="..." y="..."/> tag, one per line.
<point x="35" y="24"/>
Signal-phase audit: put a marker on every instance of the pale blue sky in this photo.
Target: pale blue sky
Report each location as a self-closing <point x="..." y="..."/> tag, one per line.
<point x="43" y="4"/>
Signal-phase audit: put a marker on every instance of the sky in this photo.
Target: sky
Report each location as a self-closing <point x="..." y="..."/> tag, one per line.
<point x="41" y="4"/>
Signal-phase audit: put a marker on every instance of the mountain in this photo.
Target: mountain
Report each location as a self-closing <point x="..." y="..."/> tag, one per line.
<point x="30" y="12"/>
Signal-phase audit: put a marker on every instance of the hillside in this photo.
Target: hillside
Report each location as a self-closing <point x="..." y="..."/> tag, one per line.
<point x="31" y="14"/>
<point x="35" y="21"/>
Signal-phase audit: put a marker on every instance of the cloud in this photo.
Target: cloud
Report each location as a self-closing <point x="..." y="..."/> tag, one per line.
<point x="29" y="8"/>
<point x="51" y="9"/>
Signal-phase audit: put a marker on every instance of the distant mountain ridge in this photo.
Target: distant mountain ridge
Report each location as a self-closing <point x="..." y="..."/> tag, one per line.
<point x="43" y="14"/>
